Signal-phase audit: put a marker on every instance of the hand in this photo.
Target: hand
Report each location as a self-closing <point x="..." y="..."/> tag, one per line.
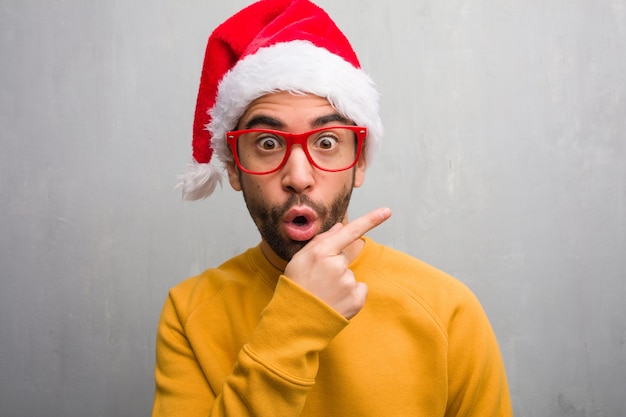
<point x="321" y="267"/>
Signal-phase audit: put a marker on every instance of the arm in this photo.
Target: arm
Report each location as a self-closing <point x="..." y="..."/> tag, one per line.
<point x="181" y="387"/>
<point x="274" y="371"/>
<point x="477" y="379"/>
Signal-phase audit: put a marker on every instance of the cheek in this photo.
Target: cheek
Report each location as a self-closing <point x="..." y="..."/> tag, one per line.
<point x="256" y="188"/>
<point x="336" y="184"/>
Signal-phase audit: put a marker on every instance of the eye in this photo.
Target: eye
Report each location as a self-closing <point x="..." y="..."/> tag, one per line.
<point x="326" y="142"/>
<point x="268" y="143"/>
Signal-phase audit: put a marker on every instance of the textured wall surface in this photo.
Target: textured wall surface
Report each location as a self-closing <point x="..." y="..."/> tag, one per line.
<point x="504" y="163"/>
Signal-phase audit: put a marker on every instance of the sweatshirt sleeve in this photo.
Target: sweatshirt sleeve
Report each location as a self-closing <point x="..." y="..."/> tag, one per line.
<point x="477" y="380"/>
<point x="274" y="371"/>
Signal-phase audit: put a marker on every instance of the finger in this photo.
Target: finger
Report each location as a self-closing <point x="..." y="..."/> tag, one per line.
<point x="324" y="235"/>
<point x="354" y="230"/>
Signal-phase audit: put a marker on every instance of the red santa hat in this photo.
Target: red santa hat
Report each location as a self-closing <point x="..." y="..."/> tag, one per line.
<point x="270" y="46"/>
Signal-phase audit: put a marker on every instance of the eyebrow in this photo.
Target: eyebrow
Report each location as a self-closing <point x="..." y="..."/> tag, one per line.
<point x="278" y="125"/>
<point x="333" y="117"/>
<point x="263" y="120"/>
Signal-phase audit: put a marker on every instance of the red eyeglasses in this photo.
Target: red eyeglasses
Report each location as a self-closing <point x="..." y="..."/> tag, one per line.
<point x="263" y="151"/>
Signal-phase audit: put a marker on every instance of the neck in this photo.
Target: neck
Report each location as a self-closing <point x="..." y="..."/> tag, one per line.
<point x="276" y="261"/>
<point x="352" y="250"/>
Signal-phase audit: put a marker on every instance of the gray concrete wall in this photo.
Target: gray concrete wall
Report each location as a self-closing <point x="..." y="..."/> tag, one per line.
<point x="503" y="162"/>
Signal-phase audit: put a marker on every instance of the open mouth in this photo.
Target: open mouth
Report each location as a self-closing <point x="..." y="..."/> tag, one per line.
<point x="300" y="223"/>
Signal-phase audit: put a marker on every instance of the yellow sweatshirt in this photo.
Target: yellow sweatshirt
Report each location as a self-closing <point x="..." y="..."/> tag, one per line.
<point x="243" y="340"/>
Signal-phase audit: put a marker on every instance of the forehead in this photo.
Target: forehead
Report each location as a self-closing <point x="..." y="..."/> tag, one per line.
<point x="288" y="108"/>
<point x="287" y="97"/>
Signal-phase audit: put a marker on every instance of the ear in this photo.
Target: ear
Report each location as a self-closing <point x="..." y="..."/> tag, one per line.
<point x="359" y="171"/>
<point x="233" y="175"/>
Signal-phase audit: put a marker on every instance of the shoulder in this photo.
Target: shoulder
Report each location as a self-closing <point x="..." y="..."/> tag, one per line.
<point x="414" y="282"/>
<point x="407" y="271"/>
<point x="199" y="290"/>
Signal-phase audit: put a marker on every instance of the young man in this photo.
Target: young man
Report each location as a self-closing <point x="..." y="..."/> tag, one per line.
<point x="317" y="320"/>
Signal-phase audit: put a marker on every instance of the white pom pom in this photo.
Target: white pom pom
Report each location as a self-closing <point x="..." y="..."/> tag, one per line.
<point x="199" y="181"/>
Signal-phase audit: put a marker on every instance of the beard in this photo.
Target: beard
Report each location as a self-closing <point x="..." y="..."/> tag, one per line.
<point x="268" y="219"/>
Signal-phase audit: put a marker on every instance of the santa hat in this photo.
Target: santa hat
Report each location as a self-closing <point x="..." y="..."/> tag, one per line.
<point x="270" y="46"/>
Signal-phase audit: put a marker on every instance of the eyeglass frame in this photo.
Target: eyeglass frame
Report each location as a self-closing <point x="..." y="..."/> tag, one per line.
<point x="296" y="139"/>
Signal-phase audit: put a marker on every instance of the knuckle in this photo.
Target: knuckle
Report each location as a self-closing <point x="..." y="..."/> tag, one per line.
<point x="355" y="233"/>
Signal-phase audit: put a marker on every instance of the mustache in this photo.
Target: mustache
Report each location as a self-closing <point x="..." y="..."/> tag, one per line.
<point x="298" y="200"/>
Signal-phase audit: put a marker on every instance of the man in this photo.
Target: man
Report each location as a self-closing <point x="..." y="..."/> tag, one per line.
<point x="317" y="320"/>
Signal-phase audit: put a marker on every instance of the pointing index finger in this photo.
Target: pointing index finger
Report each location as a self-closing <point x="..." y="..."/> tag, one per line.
<point x="357" y="228"/>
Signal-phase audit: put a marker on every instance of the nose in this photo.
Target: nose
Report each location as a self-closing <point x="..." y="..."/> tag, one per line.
<point x="297" y="173"/>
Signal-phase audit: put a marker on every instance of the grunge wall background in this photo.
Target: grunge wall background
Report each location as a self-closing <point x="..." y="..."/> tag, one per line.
<point x="504" y="163"/>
